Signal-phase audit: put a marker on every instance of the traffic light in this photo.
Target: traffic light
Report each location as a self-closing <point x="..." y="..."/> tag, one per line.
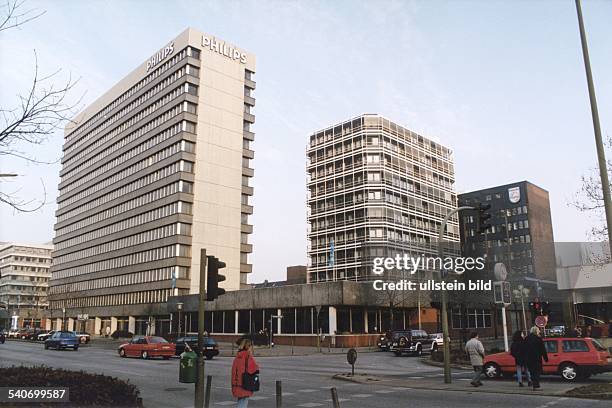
<point x="213" y="278"/>
<point x="483" y="217"/>
<point x="536" y="308"/>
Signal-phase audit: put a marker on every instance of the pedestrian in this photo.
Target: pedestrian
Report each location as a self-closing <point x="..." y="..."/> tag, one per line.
<point x="108" y="331"/>
<point x="244" y="363"/>
<point x="475" y="350"/>
<point x="535" y="351"/>
<point x="518" y="351"/>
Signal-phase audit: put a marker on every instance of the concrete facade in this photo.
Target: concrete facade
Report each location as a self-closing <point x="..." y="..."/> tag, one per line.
<point x="152" y="171"/>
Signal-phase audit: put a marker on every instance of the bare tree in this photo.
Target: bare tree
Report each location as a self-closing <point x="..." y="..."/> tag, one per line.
<point x="590" y="196"/>
<point x="36" y="116"/>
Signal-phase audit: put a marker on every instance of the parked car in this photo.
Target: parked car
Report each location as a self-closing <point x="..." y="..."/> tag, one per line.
<point x="45" y="336"/>
<point x="62" y="340"/>
<point x="83" y="337"/>
<point x="384" y="342"/>
<point x="211" y="348"/>
<point x="2" y="337"/>
<point x="33" y="334"/>
<point x="13" y="333"/>
<point x="569" y="357"/>
<point x="438" y="338"/>
<point x="555" y="331"/>
<point x="147" y="347"/>
<point x="414" y="342"/>
<point x="395" y="336"/>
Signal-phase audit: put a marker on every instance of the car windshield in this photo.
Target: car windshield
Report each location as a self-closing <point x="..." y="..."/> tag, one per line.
<point x="598" y="345"/>
<point x="157" y="340"/>
<point x="66" y="335"/>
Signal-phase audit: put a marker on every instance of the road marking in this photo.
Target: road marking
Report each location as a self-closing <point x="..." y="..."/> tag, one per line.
<point x="310" y="404"/>
<point x="308" y="390"/>
<point x="401" y="388"/>
<point x="339" y="400"/>
<point x="416" y="378"/>
<point x="463" y="379"/>
<point x="551" y="403"/>
<point x="288" y="393"/>
<point x="361" y="395"/>
<point x="384" y="391"/>
<point x="258" y="397"/>
<point x="226" y="403"/>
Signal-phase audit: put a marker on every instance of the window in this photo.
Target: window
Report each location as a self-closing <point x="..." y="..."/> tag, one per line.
<point x="551" y="346"/>
<point x="574" y="345"/>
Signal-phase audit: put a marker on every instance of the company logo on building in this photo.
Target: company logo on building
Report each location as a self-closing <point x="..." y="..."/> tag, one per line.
<point x="222" y="48"/>
<point x="514" y="194"/>
<point x="160" y="56"/>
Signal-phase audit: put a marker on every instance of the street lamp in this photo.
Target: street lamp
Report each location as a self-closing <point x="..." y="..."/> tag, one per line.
<point x="63" y="318"/>
<point x="521" y="293"/>
<point x="179" y="306"/>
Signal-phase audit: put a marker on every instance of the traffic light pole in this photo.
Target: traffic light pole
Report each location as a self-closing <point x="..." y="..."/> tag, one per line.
<point x="199" y="386"/>
<point x="443" y="306"/>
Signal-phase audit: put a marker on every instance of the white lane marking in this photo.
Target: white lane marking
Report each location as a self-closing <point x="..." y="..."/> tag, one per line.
<point x="416" y="378"/>
<point x="361" y="395"/>
<point x="310" y="404"/>
<point x="226" y="403"/>
<point x="307" y="390"/>
<point x="258" y="397"/>
<point x="384" y="391"/>
<point x="339" y="399"/>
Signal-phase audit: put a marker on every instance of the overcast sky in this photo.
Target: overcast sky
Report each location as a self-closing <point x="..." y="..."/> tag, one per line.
<point x="500" y="82"/>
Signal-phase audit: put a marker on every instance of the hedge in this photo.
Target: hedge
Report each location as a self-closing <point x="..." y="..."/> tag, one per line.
<point x="85" y="389"/>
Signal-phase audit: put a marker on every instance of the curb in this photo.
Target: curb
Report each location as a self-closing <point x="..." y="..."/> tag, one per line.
<point x="358" y="378"/>
<point x="428" y="361"/>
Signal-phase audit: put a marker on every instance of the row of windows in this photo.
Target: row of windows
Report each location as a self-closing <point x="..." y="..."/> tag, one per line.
<point x="152" y="275"/>
<point x="139" y="201"/>
<point x="123" y="174"/>
<point x="471" y="318"/>
<point x="135" y="135"/>
<point x="16" y="268"/>
<point x="138" y="86"/>
<point x="378" y="123"/>
<point x="149" y="296"/>
<point x="509" y="212"/>
<point x="140" y="219"/>
<point x="88" y="164"/>
<point x="126" y="242"/>
<point x="123" y="190"/>
<point x="15" y="258"/>
<point x="158" y="104"/>
<point x="151" y="255"/>
<point x="512" y="226"/>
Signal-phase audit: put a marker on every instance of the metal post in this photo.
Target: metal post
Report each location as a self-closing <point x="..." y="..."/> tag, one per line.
<point x="199" y="386"/>
<point x="279" y="394"/>
<point x="207" y="394"/>
<point x="601" y="154"/>
<point x="505" y="327"/>
<point x="334" y="394"/>
<point x="524" y="318"/>
<point x="443" y="306"/>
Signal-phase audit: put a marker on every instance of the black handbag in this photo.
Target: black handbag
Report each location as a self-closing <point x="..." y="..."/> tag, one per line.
<point x="250" y="382"/>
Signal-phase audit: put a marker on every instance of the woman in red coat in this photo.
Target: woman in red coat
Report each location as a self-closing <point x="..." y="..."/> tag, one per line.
<point x="244" y="359"/>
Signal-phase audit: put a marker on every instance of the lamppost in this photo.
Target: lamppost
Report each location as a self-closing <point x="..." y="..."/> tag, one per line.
<point x="63" y="318"/>
<point x="521" y="293"/>
<point x="179" y="306"/>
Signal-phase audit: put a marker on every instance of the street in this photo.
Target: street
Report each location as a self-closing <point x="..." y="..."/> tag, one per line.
<point x="306" y="380"/>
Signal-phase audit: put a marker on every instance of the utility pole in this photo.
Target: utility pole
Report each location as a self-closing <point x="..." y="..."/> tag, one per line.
<point x="199" y="385"/>
<point x="601" y="154"/>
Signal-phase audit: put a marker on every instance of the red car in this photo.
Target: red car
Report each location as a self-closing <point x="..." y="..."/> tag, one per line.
<point x="569" y="357"/>
<point x="146" y="347"/>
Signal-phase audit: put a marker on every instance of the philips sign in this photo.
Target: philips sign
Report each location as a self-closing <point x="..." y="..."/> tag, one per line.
<point x="160" y="56"/>
<point x="222" y="48"/>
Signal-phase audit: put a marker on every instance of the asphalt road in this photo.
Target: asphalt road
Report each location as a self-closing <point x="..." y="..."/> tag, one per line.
<point x="306" y="380"/>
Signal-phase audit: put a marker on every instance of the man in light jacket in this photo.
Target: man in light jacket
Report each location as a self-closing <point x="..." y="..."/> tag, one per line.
<point x="475" y="350"/>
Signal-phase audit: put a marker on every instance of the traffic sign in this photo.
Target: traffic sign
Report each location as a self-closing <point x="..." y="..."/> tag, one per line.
<point x="502" y="293"/>
<point x="541" y="321"/>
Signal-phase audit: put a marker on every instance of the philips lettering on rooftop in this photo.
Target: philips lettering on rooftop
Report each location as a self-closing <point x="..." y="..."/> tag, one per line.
<point x="160" y="56"/>
<point x="222" y="48"/>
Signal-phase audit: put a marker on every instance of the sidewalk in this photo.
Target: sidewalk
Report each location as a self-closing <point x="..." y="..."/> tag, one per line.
<point x="549" y="388"/>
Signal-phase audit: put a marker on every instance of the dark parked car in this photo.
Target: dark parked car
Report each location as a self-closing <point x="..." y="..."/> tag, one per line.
<point x="394" y="337"/>
<point x="62" y="340"/>
<point x="211" y="348"/>
<point x="414" y="342"/>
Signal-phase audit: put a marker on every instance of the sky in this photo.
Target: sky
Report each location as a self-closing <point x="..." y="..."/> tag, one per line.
<point x="502" y="83"/>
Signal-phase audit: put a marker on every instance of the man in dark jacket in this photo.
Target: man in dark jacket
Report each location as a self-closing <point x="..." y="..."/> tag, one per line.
<point x="518" y="351"/>
<point x="534" y="353"/>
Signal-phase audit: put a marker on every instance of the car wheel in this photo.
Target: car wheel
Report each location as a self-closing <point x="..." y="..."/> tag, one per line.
<point x="209" y="357"/>
<point x="492" y="370"/>
<point x="46" y="347"/>
<point x="434" y="348"/>
<point x="166" y="357"/>
<point x="122" y="352"/>
<point x="419" y="350"/>
<point x="76" y="348"/>
<point x="144" y="355"/>
<point x="568" y="371"/>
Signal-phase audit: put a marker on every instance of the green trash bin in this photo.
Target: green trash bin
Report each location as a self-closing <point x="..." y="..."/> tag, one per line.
<point x="188" y="368"/>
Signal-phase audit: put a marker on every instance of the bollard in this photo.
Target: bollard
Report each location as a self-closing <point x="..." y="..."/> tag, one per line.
<point x="279" y="394"/>
<point x="207" y="394"/>
<point x="335" y="402"/>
